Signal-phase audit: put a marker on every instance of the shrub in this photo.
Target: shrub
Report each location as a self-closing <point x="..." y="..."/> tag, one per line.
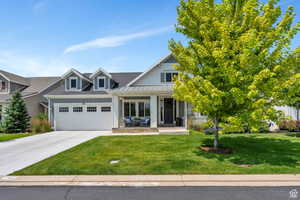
<point x="290" y="125"/>
<point x="16" y="118"/>
<point x="40" y="126"/>
<point x="42" y="116"/>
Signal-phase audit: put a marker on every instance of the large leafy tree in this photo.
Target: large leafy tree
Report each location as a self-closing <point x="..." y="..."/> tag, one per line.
<point x="237" y="63"/>
<point x="16" y="118"/>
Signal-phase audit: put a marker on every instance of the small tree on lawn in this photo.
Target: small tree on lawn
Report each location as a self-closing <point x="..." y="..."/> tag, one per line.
<point x="236" y="64"/>
<point x="16" y="118"/>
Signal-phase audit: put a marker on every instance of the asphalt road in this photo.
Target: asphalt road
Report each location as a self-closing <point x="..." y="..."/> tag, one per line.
<point x="149" y="193"/>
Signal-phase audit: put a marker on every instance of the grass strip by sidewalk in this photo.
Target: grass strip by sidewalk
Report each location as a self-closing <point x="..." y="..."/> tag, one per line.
<point x="12" y="136"/>
<point x="175" y="154"/>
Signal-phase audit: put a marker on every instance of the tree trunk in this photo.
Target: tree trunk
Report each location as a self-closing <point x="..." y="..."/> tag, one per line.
<point x="297" y="113"/>
<point x="216" y="133"/>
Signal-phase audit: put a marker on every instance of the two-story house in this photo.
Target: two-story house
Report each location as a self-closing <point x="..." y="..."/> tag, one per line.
<point x="106" y="101"/>
<point x="32" y="90"/>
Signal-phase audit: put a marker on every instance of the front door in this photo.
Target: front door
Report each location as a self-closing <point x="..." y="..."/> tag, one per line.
<point x="168" y="111"/>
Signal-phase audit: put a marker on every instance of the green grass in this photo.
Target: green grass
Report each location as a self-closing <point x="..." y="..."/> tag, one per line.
<point x="7" y="137"/>
<point x="175" y="154"/>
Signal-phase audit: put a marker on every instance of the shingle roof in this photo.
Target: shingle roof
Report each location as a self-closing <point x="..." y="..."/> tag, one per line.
<point x="123" y="78"/>
<point x="39" y="83"/>
<point x="15" y="78"/>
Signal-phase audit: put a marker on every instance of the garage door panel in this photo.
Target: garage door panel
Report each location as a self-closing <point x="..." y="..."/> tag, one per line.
<point x="83" y="120"/>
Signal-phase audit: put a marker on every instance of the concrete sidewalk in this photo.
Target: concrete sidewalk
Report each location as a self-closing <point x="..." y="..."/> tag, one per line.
<point x="153" y="180"/>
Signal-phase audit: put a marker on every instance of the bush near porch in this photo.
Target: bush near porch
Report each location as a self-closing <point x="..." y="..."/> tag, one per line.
<point x="175" y="154"/>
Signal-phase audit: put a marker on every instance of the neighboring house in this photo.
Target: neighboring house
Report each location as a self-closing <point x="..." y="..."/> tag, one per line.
<point x="32" y="90"/>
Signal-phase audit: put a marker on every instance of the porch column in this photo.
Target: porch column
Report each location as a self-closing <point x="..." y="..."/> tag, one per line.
<point x="185" y="115"/>
<point x="153" y="111"/>
<point x="115" y="105"/>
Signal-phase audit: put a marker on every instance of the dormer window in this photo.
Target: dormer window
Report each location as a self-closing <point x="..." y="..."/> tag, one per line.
<point x="73" y="83"/>
<point x="100" y="83"/>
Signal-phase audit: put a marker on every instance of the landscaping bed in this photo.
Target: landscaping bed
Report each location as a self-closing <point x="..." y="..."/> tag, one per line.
<point x="175" y="154"/>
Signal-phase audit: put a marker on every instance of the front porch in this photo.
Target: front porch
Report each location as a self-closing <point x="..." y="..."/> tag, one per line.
<point x="147" y="113"/>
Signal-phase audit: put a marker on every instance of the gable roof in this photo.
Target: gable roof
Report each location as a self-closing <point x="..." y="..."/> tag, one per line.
<point x="150" y="69"/>
<point x="14" y="78"/>
<point x="100" y="70"/>
<point x="38" y="84"/>
<point x="72" y="70"/>
<point x="123" y="78"/>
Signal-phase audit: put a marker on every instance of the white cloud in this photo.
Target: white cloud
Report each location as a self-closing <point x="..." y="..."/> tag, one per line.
<point x="40" y="4"/>
<point x="114" y="41"/>
<point x="31" y="66"/>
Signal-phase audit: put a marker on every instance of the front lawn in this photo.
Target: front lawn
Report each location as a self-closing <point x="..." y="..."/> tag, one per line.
<point x="6" y="137"/>
<point x="175" y="154"/>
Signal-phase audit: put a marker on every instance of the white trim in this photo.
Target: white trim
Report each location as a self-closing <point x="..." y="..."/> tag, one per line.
<point x="150" y="69"/>
<point x="79" y="96"/>
<point x="70" y="85"/>
<point x="97" y="84"/>
<point x="75" y="72"/>
<point x="100" y="70"/>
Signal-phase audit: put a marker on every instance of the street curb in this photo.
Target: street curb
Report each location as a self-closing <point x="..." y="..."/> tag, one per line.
<point x="153" y="180"/>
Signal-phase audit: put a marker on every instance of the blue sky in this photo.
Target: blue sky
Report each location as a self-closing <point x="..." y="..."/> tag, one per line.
<point x="47" y="37"/>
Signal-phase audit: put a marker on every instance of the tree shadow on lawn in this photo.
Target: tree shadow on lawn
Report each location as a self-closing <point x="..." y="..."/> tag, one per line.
<point x="252" y="150"/>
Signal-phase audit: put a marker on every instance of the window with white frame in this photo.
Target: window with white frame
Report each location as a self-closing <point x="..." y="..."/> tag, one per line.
<point x="168" y="77"/>
<point x="91" y="109"/>
<point x="63" y="109"/>
<point x="105" y="109"/>
<point x="73" y="83"/>
<point x="77" y="109"/>
<point x="101" y="82"/>
<point x="136" y="109"/>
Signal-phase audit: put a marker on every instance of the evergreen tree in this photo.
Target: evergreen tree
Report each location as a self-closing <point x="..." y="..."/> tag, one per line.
<point x="237" y="64"/>
<point x="16" y="118"/>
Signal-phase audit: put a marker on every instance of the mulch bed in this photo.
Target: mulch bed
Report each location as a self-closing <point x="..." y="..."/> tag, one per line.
<point x="219" y="150"/>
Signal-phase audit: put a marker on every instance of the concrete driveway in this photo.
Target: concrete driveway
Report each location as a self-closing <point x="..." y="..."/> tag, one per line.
<point x="20" y="153"/>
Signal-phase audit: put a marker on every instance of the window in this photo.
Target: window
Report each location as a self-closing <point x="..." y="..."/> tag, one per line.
<point x="63" y="109"/>
<point x="132" y="109"/>
<point x="126" y="109"/>
<point x="77" y="109"/>
<point x="91" y="109"/>
<point x="105" y="109"/>
<point x="73" y="83"/>
<point x="101" y="82"/>
<point x="147" y="109"/>
<point x="141" y="109"/>
<point x="129" y="109"/>
<point x="137" y="109"/>
<point x="3" y="85"/>
<point x="168" y="77"/>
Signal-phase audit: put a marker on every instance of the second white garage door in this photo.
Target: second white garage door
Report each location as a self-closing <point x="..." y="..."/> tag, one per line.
<point x="87" y="117"/>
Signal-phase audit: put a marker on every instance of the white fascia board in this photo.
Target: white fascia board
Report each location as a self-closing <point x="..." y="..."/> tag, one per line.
<point x="77" y="73"/>
<point x="150" y="69"/>
<point x="91" y="96"/>
<point x="100" y="70"/>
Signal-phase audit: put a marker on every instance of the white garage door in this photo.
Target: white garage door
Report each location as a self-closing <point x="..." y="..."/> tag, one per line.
<point x="87" y="117"/>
